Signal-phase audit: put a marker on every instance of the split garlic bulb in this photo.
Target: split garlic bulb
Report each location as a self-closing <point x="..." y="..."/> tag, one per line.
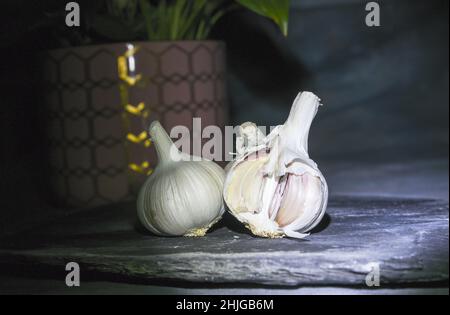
<point x="183" y="196"/>
<point x="273" y="187"/>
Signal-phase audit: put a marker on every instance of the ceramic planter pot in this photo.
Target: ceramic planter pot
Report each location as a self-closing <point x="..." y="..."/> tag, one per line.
<point x="101" y="99"/>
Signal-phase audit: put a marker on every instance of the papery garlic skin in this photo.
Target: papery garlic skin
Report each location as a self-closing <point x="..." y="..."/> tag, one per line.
<point x="182" y="196"/>
<point x="274" y="188"/>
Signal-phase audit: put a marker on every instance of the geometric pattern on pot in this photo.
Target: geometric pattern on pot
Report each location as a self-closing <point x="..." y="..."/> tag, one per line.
<point x="98" y="147"/>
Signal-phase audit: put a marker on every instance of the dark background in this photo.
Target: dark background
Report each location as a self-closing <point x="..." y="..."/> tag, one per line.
<point x="384" y="90"/>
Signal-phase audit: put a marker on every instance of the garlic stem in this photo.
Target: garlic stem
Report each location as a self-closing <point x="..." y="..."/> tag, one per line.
<point x="165" y="148"/>
<point x="278" y="197"/>
<point x="297" y="125"/>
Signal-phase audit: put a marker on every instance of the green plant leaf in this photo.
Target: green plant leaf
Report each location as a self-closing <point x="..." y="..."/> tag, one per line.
<point x="179" y="19"/>
<point x="277" y="10"/>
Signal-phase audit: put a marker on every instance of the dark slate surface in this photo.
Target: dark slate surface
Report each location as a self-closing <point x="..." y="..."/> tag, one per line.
<point x="407" y="237"/>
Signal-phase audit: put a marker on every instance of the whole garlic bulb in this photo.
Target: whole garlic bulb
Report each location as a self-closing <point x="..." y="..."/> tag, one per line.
<point x="273" y="187"/>
<point x="183" y="196"/>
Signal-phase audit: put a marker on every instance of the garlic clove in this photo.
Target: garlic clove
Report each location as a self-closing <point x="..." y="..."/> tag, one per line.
<point x="182" y="196"/>
<point x="273" y="187"/>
